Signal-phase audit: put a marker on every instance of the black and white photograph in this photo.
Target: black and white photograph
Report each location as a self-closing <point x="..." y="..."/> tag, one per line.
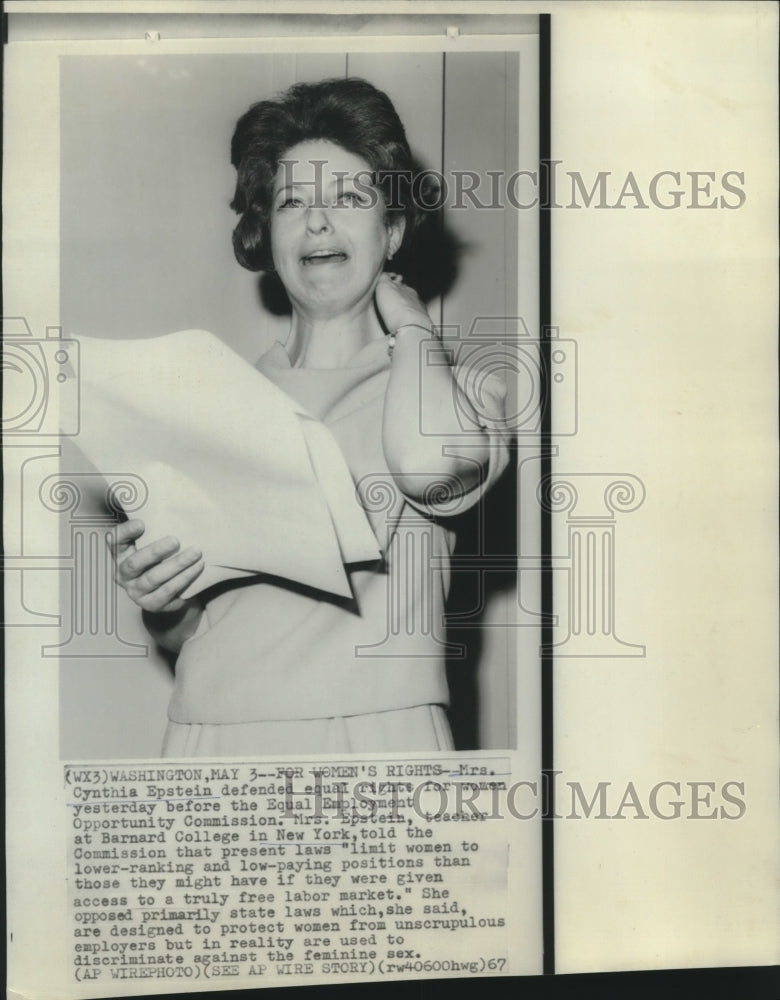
<point x="178" y="176"/>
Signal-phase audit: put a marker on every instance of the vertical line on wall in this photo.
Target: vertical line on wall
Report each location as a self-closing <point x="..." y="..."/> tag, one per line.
<point x="442" y="153"/>
<point x="513" y="307"/>
<point x="545" y="319"/>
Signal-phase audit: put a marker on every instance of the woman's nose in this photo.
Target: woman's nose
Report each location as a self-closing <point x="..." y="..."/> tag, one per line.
<point x="318" y="220"/>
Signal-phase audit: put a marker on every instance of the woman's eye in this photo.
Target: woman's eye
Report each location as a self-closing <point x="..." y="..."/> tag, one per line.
<point x="350" y="198"/>
<point x="290" y="203"/>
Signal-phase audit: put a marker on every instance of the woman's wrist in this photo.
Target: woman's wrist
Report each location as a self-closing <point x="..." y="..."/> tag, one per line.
<point x="425" y="325"/>
<point x="422" y="330"/>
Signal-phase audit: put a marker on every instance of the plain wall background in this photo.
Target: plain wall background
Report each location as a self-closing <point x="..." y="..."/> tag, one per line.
<point x="145" y="249"/>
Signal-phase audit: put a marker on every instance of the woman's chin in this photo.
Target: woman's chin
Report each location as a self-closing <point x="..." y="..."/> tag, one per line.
<point x="330" y="299"/>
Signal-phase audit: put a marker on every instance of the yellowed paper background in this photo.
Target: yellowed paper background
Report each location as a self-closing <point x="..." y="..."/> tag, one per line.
<point x="674" y="314"/>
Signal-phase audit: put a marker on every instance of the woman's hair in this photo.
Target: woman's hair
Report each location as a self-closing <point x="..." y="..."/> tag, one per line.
<point x="351" y="113"/>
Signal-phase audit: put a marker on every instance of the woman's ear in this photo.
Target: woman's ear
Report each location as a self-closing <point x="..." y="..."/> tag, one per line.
<point x="396" y="227"/>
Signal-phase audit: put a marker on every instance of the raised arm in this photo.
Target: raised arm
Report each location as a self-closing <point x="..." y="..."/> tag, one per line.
<point x="154" y="577"/>
<point x="416" y="460"/>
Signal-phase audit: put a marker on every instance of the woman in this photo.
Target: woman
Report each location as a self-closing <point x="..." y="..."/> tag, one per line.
<point x="268" y="666"/>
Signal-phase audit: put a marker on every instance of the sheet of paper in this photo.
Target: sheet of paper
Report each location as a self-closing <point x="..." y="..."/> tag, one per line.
<point x="229" y="463"/>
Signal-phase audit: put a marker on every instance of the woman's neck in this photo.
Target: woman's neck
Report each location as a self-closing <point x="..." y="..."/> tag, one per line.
<point x="330" y="342"/>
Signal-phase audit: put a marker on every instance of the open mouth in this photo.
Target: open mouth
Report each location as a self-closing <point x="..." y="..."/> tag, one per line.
<point x="318" y="257"/>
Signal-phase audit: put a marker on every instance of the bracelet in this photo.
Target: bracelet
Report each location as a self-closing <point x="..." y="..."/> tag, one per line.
<point x="392" y="336"/>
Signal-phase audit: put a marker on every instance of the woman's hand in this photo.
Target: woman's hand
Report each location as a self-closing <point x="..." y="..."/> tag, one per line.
<point x="399" y="305"/>
<point x="156" y="575"/>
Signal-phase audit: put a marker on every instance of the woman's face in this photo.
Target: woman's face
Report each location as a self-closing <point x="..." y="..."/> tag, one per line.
<point x="329" y="237"/>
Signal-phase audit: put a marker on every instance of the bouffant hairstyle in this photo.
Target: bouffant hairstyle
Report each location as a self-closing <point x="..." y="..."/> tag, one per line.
<point x="351" y="113"/>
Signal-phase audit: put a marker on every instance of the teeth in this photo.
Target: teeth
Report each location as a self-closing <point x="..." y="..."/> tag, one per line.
<point x="324" y="255"/>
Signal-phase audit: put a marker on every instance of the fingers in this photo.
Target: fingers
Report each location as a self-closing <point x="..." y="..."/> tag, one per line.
<point x="155" y="569"/>
<point x="141" y="560"/>
<point x="155" y="575"/>
<point x="123" y="538"/>
<point x="167" y="596"/>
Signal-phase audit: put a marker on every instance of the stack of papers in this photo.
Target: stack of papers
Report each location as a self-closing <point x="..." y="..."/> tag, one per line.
<point x="232" y="464"/>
